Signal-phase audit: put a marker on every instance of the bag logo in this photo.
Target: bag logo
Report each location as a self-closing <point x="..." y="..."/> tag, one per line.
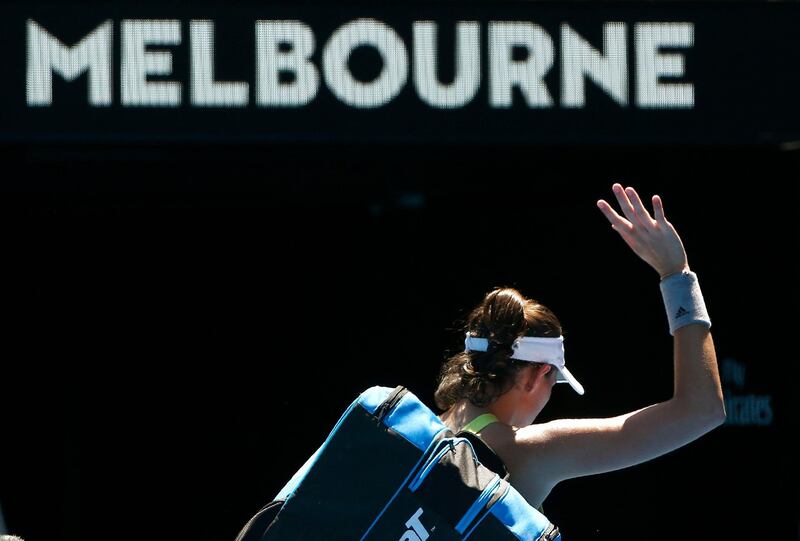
<point x="417" y="531"/>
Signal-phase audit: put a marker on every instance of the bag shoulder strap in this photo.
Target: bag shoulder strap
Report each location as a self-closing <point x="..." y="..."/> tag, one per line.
<point x="480" y="422"/>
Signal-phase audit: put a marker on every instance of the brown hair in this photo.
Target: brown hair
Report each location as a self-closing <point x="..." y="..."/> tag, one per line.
<point x="481" y="377"/>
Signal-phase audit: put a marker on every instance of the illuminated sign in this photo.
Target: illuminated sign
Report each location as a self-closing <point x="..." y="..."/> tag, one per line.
<point x="416" y="72"/>
<point x="140" y="39"/>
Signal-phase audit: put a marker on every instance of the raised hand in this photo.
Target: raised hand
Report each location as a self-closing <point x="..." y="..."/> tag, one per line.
<point x="654" y="240"/>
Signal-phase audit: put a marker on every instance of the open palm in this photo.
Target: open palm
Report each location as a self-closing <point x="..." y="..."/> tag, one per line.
<point x="653" y="239"/>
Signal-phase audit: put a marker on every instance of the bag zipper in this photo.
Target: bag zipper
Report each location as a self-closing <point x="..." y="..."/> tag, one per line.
<point x="498" y="494"/>
<point x="478" y="505"/>
<point x="391" y="401"/>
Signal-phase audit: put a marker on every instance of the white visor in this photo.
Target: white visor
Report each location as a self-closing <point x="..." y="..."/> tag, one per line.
<point x="534" y="349"/>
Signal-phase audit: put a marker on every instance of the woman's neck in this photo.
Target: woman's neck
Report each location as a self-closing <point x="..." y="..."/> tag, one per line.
<point x="505" y="408"/>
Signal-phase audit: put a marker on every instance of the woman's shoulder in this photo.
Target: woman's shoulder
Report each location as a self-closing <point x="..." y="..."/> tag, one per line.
<point x="526" y="474"/>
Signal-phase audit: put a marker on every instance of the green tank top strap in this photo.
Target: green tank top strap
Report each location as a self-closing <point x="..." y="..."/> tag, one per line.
<point x="480" y="422"/>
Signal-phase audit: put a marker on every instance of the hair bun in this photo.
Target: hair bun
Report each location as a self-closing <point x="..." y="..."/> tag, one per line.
<point x="496" y="346"/>
<point x="481" y="377"/>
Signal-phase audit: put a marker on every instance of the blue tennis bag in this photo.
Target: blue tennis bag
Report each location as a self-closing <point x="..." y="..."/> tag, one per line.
<point x="390" y="470"/>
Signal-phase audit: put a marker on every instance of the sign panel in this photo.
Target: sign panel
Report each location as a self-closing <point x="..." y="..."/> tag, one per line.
<point x="417" y="71"/>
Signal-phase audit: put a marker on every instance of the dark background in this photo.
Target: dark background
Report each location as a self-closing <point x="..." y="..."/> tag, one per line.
<point x="177" y="346"/>
<point x="185" y="322"/>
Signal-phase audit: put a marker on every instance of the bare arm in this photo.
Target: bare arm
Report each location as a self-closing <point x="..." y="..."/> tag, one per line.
<point x="569" y="448"/>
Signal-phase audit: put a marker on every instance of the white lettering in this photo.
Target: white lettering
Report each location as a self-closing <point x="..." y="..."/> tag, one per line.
<point x="415" y="524"/>
<point x="467" y="78"/>
<point x="205" y="92"/>
<point x="138" y="63"/>
<point x="47" y="54"/>
<point x="270" y="62"/>
<point x="528" y="74"/>
<point x="579" y="59"/>
<point x="389" y="82"/>
<point x="651" y="64"/>
<point x="520" y="56"/>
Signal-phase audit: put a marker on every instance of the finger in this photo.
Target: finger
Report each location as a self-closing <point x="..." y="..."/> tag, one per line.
<point x="624" y="202"/>
<point x="641" y="213"/>
<point x="658" y="206"/>
<point x="611" y="214"/>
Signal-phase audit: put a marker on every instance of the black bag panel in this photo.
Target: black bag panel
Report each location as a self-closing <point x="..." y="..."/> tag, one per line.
<point x="411" y="518"/>
<point x="486" y="454"/>
<point x="330" y="502"/>
<point x="455" y="483"/>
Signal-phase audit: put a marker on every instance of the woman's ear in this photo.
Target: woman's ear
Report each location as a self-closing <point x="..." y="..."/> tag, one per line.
<point x="545" y="373"/>
<point x="535" y="374"/>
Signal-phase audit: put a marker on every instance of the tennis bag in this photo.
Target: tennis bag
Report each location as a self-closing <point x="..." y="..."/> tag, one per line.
<point x="390" y="470"/>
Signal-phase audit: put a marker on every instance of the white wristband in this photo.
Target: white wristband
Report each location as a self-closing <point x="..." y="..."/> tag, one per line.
<point x="683" y="301"/>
